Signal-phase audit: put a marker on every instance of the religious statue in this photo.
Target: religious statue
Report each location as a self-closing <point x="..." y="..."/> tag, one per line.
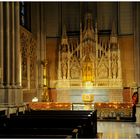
<point x="114" y="66"/>
<point x="64" y="62"/>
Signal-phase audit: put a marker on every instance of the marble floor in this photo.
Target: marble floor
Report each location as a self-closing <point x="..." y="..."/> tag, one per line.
<point x="118" y="130"/>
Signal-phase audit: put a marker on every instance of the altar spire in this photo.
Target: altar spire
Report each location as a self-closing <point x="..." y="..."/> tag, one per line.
<point x="64" y="40"/>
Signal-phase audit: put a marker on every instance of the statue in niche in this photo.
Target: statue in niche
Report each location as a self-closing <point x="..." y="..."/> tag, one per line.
<point x="87" y="71"/>
<point x="114" y="66"/>
<point x="75" y="69"/>
<point x="64" y="70"/>
<point x="103" y="71"/>
<point x="75" y="73"/>
<point x="64" y="64"/>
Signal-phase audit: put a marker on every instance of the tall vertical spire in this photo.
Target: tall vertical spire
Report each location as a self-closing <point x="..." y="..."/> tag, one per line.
<point x="88" y="21"/>
<point x="113" y="37"/>
<point x="88" y="31"/>
<point x="64" y="33"/>
<point x="64" y="40"/>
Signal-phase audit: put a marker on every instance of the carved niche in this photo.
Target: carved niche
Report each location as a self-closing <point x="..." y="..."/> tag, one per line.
<point x="75" y="68"/>
<point x="28" y="49"/>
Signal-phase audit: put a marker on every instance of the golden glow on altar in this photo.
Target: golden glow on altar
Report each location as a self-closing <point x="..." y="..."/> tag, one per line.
<point x="88" y="84"/>
<point x="87" y="97"/>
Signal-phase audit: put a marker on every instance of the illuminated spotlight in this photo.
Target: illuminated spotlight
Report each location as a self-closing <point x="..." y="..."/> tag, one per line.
<point x="35" y="99"/>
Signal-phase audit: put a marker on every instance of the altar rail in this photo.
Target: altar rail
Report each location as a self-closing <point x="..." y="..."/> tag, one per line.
<point x="117" y="111"/>
<point x="49" y="106"/>
<point x="105" y="111"/>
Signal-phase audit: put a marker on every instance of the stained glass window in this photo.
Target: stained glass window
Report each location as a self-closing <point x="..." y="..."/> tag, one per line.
<point x="22" y="13"/>
<point x="25" y="14"/>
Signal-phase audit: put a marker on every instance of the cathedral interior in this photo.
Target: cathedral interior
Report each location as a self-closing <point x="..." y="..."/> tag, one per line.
<point x="55" y="52"/>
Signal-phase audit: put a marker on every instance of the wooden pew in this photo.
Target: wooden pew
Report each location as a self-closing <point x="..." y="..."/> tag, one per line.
<point x="2" y="112"/>
<point x="38" y="133"/>
<point x="66" y="112"/>
<point x="45" y="112"/>
<point x="51" y="122"/>
<point x="57" y="119"/>
<point x="3" y="119"/>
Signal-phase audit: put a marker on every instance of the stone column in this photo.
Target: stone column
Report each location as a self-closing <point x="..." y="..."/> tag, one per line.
<point x="18" y="77"/>
<point x="12" y="24"/>
<point x="1" y="44"/>
<point x="7" y="43"/>
<point x="38" y="48"/>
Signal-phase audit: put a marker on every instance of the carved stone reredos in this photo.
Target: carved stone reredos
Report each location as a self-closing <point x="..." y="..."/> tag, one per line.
<point x="89" y="58"/>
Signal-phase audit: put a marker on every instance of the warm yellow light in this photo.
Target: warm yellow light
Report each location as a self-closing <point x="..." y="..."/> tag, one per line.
<point x="87" y="97"/>
<point x="35" y="99"/>
<point x="88" y="84"/>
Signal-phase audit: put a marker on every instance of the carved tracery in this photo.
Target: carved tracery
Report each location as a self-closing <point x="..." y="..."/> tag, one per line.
<point x="28" y="49"/>
<point x="91" y="57"/>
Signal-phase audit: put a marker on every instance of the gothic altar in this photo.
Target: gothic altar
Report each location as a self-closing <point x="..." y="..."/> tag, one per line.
<point x="89" y="61"/>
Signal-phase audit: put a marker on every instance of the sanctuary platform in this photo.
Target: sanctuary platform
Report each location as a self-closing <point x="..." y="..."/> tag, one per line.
<point x="74" y="95"/>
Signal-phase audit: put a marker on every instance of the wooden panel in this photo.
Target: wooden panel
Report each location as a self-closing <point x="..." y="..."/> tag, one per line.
<point x="126" y="44"/>
<point x="28" y="95"/>
<point x="127" y="95"/>
<point x="53" y="94"/>
<point x="51" y="50"/>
